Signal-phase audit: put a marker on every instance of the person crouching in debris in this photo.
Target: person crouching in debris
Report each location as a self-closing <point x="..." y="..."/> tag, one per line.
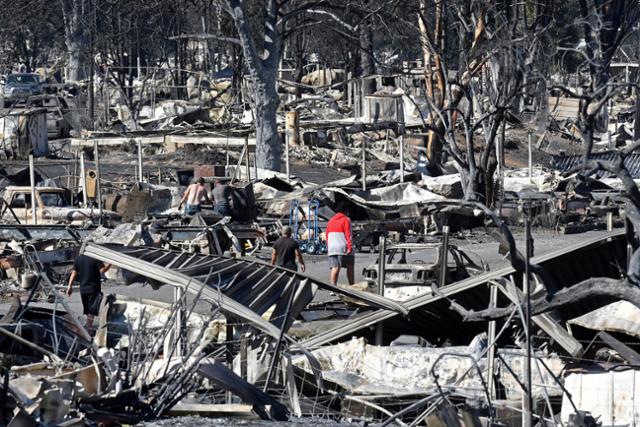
<point x="193" y="196"/>
<point x="339" y="246"/>
<point x="221" y="195"/>
<point x="285" y="251"/>
<point x="88" y="270"/>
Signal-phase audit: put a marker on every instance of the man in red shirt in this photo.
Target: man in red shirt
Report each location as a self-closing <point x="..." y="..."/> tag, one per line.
<point x="339" y="246"/>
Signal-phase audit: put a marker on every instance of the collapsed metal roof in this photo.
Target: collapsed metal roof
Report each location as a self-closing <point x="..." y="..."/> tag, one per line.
<point x="431" y="315"/>
<point x="567" y="163"/>
<point x="246" y="288"/>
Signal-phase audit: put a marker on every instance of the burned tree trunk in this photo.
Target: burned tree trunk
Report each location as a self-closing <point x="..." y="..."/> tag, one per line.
<point x="76" y="37"/>
<point x="432" y="45"/>
<point x="263" y="69"/>
<point x="269" y="146"/>
<point x="297" y="44"/>
<point x="367" y="65"/>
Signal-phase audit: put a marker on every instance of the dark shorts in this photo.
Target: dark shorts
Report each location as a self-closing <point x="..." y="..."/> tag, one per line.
<point x="91" y="303"/>
<point x="293" y="266"/>
<point x="336" y="261"/>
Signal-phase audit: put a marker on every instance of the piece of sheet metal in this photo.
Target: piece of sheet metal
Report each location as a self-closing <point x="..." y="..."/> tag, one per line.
<point x="620" y="316"/>
<point x="253" y="285"/>
<point x="612" y="397"/>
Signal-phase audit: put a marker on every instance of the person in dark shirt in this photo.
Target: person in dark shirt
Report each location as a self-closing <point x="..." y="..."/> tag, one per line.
<point x="221" y="195"/>
<point x="285" y="251"/>
<point x="87" y="271"/>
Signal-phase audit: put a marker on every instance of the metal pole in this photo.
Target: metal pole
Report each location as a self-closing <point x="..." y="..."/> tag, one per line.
<point x="83" y="181"/>
<point x="499" y="145"/>
<point x="139" y="160"/>
<point x="32" y="181"/>
<point x="246" y="153"/>
<point x="401" y="141"/>
<point x="96" y="157"/>
<point x="364" y="164"/>
<point x="530" y="156"/>
<point x="226" y="169"/>
<point x="528" y="401"/>
<point x="255" y="165"/>
<point x="177" y="302"/>
<point x="75" y="173"/>
<point x="442" y="279"/>
<point x="286" y="155"/>
<point x="491" y="333"/>
<point x="106" y="93"/>
<point x="382" y="250"/>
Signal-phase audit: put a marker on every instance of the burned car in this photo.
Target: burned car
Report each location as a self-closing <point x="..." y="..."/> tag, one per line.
<point x="52" y="207"/>
<point x="404" y="279"/>
<point x="19" y="87"/>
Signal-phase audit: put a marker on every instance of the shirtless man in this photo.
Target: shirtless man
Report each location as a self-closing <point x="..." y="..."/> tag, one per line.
<point x="193" y="196"/>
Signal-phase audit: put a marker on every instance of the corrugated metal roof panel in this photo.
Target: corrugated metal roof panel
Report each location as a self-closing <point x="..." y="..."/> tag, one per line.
<point x="566" y="163"/>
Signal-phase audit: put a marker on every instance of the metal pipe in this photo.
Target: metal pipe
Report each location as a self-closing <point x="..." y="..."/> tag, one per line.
<point x="178" y="293"/>
<point x="286" y="155"/>
<point x="401" y="143"/>
<point x="364" y="164"/>
<point x="83" y="180"/>
<point x="444" y="254"/>
<point x="491" y="333"/>
<point x="246" y="153"/>
<point x="75" y="174"/>
<point x="528" y="400"/>
<point x="382" y="251"/>
<point x="105" y="97"/>
<point x="530" y="156"/>
<point x="139" y="160"/>
<point x="226" y="169"/>
<point x="499" y="142"/>
<point x="255" y="165"/>
<point x="32" y="182"/>
<point x="96" y="157"/>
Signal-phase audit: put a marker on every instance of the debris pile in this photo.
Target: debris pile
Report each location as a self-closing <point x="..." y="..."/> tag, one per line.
<point x="198" y="318"/>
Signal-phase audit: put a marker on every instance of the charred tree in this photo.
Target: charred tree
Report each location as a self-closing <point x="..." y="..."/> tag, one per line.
<point x="367" y="64"/>
<point x="76" y="14"/>
<point x="262" y="67"/>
